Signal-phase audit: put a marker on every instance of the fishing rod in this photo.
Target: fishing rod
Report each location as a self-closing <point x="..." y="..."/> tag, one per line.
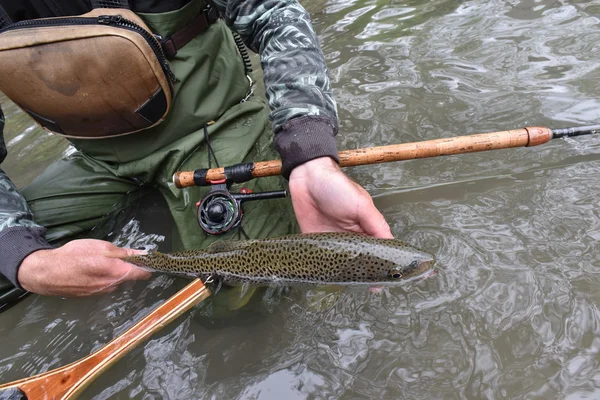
<point x="525" y="137"/>
<point x="220" y="210"/>
<point x="69" y="381"/>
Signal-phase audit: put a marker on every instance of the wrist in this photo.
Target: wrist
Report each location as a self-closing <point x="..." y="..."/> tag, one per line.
<point x="32" y="270"/>
<point x="315" y="167"/>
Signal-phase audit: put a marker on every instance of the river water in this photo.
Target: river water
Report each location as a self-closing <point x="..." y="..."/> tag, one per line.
<point x="513" y="311"/>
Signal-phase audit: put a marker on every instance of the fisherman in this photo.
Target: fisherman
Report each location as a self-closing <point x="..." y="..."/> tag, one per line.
<point x="45" y="229"/>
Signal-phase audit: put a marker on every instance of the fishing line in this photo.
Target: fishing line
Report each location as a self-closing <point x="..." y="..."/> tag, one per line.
<point x="210" y="149"/>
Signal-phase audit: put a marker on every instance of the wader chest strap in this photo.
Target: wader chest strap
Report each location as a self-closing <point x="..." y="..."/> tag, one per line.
<point x="4" y="18"/>
<point x="206" y="18"/>
<point x="111" y="4"/>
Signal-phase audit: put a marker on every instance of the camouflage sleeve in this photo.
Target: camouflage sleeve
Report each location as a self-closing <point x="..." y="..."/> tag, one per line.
<point x="303" y="110"/>
<point x="19" y="234"/>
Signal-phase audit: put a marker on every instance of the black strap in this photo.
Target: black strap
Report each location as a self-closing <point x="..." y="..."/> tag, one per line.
<point x="206" y="18"/>
<point x="210" y="149"/>
<point x="239" y="173"/>
<point x="111" y="4"/>
<point x="4" y="18"/>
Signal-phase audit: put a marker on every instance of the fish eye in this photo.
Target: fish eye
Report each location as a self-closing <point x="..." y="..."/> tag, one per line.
<point x="395" y="275"/>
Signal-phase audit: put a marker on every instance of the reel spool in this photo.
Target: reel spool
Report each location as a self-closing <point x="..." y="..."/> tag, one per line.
<point x="220" y="210"/>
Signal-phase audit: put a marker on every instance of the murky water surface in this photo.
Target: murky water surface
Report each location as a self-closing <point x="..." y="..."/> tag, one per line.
<point x="513" y="312"/>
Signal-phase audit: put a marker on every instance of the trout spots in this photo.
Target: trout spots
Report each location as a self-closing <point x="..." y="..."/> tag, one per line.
<point x="332" y="258"/>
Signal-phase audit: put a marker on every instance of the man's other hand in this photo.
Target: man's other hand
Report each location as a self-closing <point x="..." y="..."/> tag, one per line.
<point x="326" y="200"/>
<point x="79" y="268"/>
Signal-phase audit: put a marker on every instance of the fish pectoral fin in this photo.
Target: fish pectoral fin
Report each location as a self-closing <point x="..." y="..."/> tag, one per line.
<point x="226" y="245"/>
<point x="239" y="296"/>
<point x="331" y="288"/>
<point x="324" y="297"/>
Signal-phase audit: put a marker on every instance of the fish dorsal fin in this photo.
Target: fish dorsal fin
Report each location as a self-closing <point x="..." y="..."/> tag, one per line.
<point x="239" y="296"/>
<point x="227" y="245"/>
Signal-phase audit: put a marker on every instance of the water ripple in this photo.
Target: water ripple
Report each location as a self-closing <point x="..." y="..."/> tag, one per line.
<point x="513" y="310"/>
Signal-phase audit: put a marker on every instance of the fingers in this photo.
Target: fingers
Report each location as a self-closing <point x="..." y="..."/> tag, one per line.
<point x="125" y="271"/>
<point x="128" y="273"/>
<point x="119" y="252"/>
<point x="135" y="252"/>
<point x="116" y="271"/>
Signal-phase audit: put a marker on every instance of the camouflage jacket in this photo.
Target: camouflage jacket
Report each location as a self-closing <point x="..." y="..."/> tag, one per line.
<point x="303" y="111"/>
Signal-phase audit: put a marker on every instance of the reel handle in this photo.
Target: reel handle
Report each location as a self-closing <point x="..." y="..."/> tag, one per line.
<point x="220" y="210"/>
<point x="241" y="197"/>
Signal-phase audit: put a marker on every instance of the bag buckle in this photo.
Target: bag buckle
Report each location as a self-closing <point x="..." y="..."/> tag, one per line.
<point x="250" y="92"/>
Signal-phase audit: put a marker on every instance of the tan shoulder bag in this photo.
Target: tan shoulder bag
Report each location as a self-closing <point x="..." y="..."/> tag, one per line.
<point x="97" y="75"/>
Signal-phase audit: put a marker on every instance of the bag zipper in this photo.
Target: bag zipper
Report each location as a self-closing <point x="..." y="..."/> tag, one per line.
<point x="111" y="20"/>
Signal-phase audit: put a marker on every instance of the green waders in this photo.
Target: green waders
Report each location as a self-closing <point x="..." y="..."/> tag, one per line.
<point x="76" y="194"/>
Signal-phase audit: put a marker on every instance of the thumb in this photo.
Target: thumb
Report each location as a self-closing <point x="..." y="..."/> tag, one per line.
<point x="129" y="273"/>
<point x="373" y="223"/>
<point x="137" y="273"/>
<point x="134" y="272"/>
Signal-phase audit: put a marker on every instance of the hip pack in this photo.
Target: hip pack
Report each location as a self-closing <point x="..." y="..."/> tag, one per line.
<point x="101" y="74"/>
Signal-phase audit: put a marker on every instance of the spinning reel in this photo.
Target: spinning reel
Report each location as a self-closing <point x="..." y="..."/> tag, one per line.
<point x="220" y="210"/>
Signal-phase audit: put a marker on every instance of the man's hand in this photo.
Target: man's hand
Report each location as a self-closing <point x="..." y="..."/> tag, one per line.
<point x="79" y="268"/>
<point x="326" y="200"/>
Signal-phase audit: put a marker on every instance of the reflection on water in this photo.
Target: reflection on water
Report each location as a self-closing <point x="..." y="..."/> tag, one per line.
<point x="512" y="312"/>
<point x="30" y="148"/>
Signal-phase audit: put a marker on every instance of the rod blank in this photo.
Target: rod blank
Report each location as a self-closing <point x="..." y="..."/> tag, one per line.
<point x="577" y="131"/>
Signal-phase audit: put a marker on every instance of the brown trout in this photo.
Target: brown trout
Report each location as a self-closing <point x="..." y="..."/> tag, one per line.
<point x="303" y="259"/>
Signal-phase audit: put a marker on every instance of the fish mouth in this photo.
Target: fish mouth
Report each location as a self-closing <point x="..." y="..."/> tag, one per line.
<point x="427" y="265"/>
<point x="422" y="267"/>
